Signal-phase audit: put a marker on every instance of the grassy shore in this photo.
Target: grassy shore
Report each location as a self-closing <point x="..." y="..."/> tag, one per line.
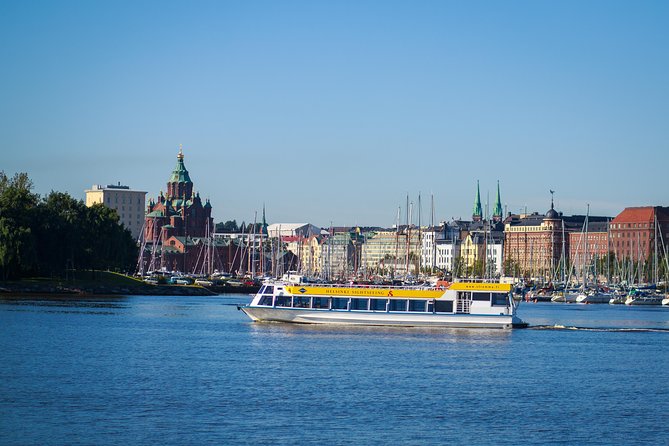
<point x="82" y="283"/>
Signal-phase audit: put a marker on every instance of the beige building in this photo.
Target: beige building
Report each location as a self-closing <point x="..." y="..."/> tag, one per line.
<point x="128" y="204"/>
<point x="385" y="252"/>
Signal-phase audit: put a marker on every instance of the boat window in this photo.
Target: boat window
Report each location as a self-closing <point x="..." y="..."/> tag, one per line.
<point x="266" y="300"/>
<point x="416" y="305"/>
<point x="302" y="302"/>
<point x="340" y="303"/>
<point x="283" y="301"/>
<point x="320" y="302"/>
<point x="483" y="297"/>
<point x="398" y="305"/>
<point x="500" y="299"/>
<point x="269" y="289"/>
<point x="359" y="304"/>
<point x="379" y="304"/>
<point x="443" y="306"/>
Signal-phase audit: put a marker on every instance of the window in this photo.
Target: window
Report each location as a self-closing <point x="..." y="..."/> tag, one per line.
<point x="266" y="301"/>
<point x="339" y="303"/>
<point x="359" y="304"/>
<point x="500" y="299"/>
<point x="397" y="305"/>
<point x="443" y="306"/>
<point x="417" y="305"/>
<point x="482" y="297"/>
<point x="320" y="302"/>
<point x="301" y="302"/>
<point x="378" y="304"/>
<point x="283" y="301"/>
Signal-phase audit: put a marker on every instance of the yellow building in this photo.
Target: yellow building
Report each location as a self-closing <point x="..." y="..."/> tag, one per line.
<point x="310" y="256"/>
<point x="129" y="204"/>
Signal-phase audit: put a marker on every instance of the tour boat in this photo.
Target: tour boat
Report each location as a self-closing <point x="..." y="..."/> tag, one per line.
<point x="461" y="304"/>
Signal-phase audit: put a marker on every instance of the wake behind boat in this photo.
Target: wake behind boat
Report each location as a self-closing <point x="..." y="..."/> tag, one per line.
<point x="461" y="304"/>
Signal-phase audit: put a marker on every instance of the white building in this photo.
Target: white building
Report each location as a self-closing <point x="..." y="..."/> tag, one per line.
<point x="447" y="252"/>
<point x="292" y="229"/>
<point x="130" y="205"/>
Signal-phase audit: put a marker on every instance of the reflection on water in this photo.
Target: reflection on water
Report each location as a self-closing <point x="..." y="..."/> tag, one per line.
<point x="370" y="333"/>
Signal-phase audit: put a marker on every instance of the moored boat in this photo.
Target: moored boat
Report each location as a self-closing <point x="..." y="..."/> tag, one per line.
<point x="637" y="297"/>
<point x="462" y="304"/>
<point x="594" y="297"/>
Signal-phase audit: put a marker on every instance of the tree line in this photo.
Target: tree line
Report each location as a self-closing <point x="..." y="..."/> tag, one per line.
<point x="47" y="236"/>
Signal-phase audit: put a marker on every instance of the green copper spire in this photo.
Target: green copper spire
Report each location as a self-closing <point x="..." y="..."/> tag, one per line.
<point x="478" y="210"/>
<point x="497" y="211"/>
<point x="180" y="174"/>
<point x="263" y="229"/>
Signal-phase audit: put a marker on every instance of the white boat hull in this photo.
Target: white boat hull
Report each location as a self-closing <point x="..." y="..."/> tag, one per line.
<point x="401" y="319"/>
<point x="596" y="298"/>
<point x="648" y="300"/>
<point x="565" y="298"/>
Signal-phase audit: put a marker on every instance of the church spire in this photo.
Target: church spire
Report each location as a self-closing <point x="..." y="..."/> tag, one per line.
<point x="477" y="215"/>
<point x="263" y="229"/>
<point x="497" y="211"/>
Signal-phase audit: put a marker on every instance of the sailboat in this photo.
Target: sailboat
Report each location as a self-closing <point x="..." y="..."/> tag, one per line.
<point x="640" y="297"/>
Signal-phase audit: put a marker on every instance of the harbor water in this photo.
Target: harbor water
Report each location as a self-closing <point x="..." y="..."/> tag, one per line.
<point x="194" y="370"/>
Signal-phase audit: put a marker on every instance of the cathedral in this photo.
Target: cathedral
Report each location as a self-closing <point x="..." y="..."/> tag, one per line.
<point x="180" y="212"/>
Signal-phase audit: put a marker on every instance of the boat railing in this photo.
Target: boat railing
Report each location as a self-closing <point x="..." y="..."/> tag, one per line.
<point x="360" y="286"/>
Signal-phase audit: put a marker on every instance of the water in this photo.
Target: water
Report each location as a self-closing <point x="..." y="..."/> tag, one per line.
<point x="194" y="370"/>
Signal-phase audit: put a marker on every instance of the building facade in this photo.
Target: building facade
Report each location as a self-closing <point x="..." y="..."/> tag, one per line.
<point x="129" y="204"/>
<point x="180" y="212"/>
<point x="636" y="231"/>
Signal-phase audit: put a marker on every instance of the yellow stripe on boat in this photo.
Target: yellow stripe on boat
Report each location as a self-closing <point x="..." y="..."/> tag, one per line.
<point x="476" y="286"/>
<point x="363" y="292"/>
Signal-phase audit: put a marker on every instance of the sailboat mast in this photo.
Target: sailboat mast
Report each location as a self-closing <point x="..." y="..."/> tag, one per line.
<point x="433" y="260"/>
<point x="585" y="255"/>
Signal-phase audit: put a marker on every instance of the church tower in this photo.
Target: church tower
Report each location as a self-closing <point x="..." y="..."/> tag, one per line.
<point x="477" y="214"/>
<point x="497" y="211"/>
<point x="179" y="185"/>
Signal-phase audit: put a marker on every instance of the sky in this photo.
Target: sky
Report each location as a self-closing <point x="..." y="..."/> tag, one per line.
<point x="334" y="112"/>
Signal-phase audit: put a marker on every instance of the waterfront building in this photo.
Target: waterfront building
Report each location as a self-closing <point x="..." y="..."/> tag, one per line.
<point x="292" y="230"/>
<point x="388" y="251"/>
<point x="180" y="212"/>
<point x="586" y="246"/>
<point x="128" y="204"/>
<point x="481" y="249"/>
<point x="430" y="236"/>
<point x="538" y="246"/>
<point x="308" y="252"/>
<point x="174" y="223"/>
<point x="637" y="234"/>
<point x="533" y="244"/>
<point x="448" y="250"/>
<point x="337" y="256"/>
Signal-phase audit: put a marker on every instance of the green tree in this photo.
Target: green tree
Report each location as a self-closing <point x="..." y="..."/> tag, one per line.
<point x="229" y="226"/>
<point x="17" y="209"/>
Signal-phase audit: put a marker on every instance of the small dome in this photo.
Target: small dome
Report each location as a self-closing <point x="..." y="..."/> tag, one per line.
<point x="552" y="214"/>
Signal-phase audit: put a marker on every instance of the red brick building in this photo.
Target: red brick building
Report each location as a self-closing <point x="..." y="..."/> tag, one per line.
<point x="635" y="231"/>
<point x="180" y="212"/>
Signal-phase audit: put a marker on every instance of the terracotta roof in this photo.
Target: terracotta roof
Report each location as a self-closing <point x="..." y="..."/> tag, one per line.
<point x="643" y="214"/>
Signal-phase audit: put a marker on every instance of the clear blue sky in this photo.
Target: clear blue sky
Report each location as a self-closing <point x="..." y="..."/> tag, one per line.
<point x="335" y="111"/>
